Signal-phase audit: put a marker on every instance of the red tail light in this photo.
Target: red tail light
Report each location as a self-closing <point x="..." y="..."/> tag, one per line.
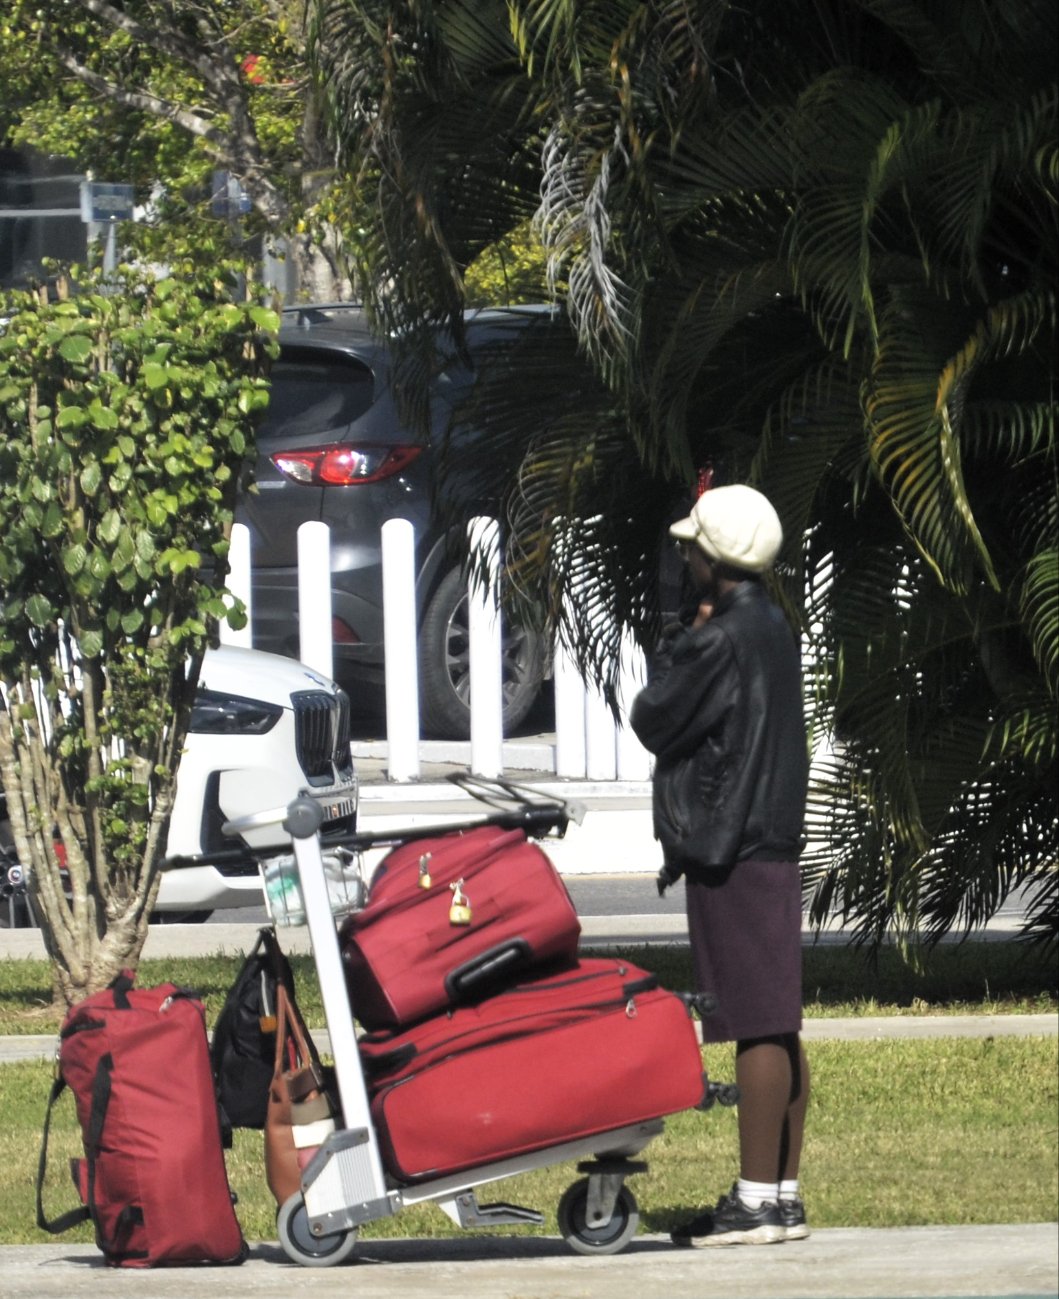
<point x="342" y="633"/>
<point x="343" y="465"/>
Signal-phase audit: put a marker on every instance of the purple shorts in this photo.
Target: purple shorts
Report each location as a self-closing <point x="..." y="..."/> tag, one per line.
<point x="745" y="926"/>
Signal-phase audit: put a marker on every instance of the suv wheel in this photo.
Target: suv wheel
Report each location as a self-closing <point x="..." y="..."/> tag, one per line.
<point x="445" y="665"/>
<point x="14" y="905"/>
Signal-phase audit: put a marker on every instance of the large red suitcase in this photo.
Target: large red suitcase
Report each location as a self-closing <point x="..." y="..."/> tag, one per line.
<point x="407" y="955"/>
<point x="554" y="1059"/>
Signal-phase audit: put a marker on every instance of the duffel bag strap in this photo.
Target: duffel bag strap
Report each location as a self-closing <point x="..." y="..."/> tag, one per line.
<point x="66" y="1220"/>
<point x="94" y="1136"/>
<point x="121" y="985"/>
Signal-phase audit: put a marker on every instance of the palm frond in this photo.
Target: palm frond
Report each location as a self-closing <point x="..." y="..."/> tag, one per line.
<point x="812" y="243"/>
<point x="914" y="449"/>
<point x="1039" y="606"/>
<point x="843" y="179"/>
<point x="804" y="436"/>
<point x="1025" y="730"/>
<point x="1008" y="432"/>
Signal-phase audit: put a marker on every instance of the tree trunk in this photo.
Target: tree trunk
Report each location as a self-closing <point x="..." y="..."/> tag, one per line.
<point x="318" y="276"/>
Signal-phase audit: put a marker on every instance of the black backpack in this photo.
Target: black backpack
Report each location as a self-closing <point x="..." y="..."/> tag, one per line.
<point x="243" y="1050"/>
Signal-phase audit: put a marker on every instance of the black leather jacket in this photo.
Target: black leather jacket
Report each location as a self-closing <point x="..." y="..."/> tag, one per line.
<point x="722" y="712"/>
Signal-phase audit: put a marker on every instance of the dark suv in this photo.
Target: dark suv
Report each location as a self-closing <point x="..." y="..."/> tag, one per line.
<point x="334" y="448"/>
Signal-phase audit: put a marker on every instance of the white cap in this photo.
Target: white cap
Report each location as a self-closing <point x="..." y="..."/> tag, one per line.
<point x="733" y="525"/>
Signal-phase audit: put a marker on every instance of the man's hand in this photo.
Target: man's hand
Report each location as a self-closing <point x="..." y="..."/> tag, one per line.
<point x="703" y="614"/>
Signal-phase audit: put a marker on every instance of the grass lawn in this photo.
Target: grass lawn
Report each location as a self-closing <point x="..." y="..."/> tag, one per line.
<point x="901" y="1132"/>
<point x="969" y="978"/>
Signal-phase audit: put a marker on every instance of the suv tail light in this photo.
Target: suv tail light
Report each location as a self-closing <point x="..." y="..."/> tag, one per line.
<point x="343" y="465"/>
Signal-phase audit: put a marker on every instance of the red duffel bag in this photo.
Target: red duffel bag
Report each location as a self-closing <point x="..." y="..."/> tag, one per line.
<point x="153" y="1179"/>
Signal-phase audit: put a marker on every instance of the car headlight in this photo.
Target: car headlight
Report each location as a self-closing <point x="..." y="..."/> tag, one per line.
<point x="219" y="714"/>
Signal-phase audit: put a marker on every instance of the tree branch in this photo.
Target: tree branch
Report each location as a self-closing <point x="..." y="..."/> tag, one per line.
<point x="220" y="74"/>
<point x="145" y="102"/>
<point x="237" y="148"/>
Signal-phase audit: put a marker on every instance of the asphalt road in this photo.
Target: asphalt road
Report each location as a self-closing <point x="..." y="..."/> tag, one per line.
<point x="593" y="895"/>
<point x="629" y="897"/>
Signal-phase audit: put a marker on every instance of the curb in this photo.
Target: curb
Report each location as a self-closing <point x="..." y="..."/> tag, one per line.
<point x="874" y="1028"/>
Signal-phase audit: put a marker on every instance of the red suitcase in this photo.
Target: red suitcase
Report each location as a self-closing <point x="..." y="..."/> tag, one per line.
<point x="554" y="1059"/>
<point x="407" y="956"/>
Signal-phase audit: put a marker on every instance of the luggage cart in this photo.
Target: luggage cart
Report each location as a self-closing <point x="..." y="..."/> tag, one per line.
<point x="344" y="1184"/>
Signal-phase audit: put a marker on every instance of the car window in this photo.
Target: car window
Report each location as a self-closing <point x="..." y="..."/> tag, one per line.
<point x="314" y="393"/>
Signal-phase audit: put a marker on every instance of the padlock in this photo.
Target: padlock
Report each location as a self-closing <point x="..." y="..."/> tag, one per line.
<point x="424" y="871"/>
<point x="460" y="911"/>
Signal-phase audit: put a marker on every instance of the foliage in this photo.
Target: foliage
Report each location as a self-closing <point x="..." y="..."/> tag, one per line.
<point x="125" y="412"/>
<point x="812" y="244"/>
<point x="162" y="96"/>
<point x="513" y="270"/>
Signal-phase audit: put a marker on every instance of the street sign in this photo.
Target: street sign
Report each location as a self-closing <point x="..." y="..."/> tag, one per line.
<point x="228" y="198"/>
<point x="104" y="202"/>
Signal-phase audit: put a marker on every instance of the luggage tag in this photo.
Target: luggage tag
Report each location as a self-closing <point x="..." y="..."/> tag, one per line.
<point x="460" y="911"/>
<point x="267" y="1019"/>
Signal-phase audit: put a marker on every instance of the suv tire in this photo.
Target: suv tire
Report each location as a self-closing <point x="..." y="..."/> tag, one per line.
<point x="14" y="908"/>
<point x="445" y="665"/>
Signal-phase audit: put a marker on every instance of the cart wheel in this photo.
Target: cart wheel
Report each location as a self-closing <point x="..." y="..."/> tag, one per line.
<point x="606" y="1238"/>
<point x="301" y="1246"/>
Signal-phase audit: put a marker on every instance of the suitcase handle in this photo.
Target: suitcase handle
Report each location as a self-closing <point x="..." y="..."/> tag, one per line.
<point x="486" y="967"/>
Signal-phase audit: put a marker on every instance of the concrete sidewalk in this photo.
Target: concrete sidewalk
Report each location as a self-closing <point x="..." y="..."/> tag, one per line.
<point x="866" y="1028"/>
<point x="835" y="1263"/>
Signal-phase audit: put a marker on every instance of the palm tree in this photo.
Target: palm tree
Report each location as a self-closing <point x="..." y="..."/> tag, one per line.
<point x="813" y="243"/>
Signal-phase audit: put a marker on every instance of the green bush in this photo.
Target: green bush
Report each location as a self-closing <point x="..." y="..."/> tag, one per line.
<point x="126" y="409"/>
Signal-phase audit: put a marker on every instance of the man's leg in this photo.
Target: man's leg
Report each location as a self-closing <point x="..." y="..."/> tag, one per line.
<point x="749" y="1214"/>
<point x="794" y="1125"/>
<point x="791" y="1206"/>
<point x="765" y="1070"/>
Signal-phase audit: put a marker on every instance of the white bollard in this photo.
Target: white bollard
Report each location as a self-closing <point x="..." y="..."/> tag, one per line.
<point x="634" y="761"/>
<point x="315" y="647"/>
<point x="401" y="658"/>
<point x="239" y="585"/>
<point x="601" y="761"/>
<point x="487" y="678"/>
<point x="569" y="715"/>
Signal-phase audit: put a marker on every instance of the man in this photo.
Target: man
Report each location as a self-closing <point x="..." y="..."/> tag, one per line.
<point x="723" y="714"/>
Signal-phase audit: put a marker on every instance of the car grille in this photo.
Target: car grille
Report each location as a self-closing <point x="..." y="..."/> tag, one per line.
<point x="321" y="729"/>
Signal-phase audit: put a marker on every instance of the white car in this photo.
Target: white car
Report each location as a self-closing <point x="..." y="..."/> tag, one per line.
<point x="263" y="729"/>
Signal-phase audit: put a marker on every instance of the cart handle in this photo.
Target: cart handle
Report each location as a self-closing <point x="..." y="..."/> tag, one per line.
<point x="517" y="807"/>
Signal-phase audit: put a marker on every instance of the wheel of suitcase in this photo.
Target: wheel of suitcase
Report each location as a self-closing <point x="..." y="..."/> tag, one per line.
<point x="299" y="1243"/>
<point x="597" y="1238"/>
